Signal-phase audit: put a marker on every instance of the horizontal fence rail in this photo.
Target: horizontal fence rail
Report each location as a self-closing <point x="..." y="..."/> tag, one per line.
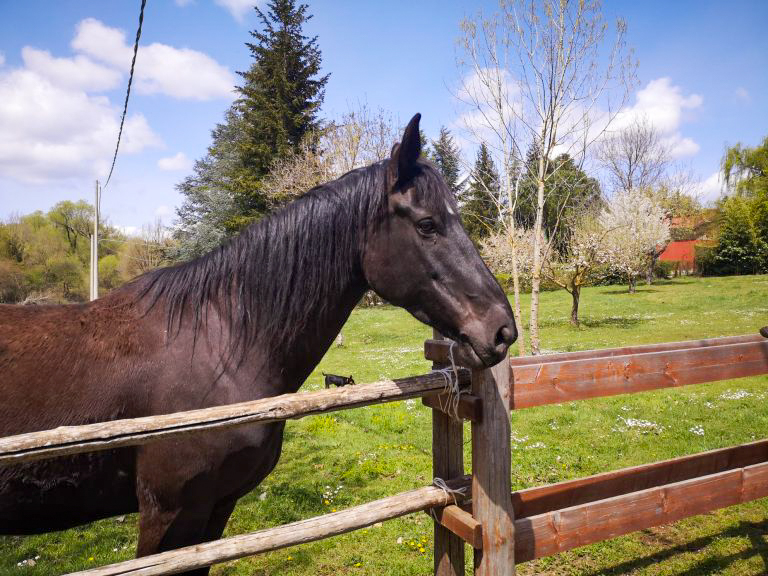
<point x="568" y="528"/>
<point x="301" y="532"/>
<point x="68" y="440"/>
<point x="603" y="374"/>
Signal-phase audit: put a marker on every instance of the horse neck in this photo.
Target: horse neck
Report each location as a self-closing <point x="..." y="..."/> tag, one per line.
<point x="309" y="255"/>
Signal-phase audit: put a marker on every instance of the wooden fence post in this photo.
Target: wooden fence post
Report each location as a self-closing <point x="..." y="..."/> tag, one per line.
<point x="447" y="463"/>
<point x="491" y="472"/>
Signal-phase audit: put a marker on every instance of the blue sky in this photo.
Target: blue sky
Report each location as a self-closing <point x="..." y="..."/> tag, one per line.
<point x="63" y="66"/>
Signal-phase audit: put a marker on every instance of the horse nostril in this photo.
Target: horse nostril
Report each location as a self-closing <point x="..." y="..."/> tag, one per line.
<point x="463" y="338"/>
<point x="504" y="336"/>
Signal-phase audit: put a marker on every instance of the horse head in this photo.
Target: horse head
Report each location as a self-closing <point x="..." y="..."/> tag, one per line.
<point x="418" y="256"/>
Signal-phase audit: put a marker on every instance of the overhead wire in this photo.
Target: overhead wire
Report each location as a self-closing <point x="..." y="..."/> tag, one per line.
<point x="128" y="91"/>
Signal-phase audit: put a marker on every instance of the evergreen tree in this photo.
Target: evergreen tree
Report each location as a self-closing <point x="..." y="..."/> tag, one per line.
<point x="278" y="105"/>
<point x="480" y="202"/>
<point x="279" y="100"/>
<point x="568" y="191"/>
<point x="446" y="156"/>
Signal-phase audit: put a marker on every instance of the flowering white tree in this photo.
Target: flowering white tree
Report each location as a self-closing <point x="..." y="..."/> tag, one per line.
<point x="637" y="226"/>
<point x="585" y="254"/>
<point x="508" y="249"/>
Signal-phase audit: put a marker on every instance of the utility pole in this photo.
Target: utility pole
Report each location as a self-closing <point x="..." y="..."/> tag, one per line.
<point x="95" y="247"/>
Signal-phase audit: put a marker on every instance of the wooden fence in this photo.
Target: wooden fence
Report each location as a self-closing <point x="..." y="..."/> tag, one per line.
<point x="502" y="527"/>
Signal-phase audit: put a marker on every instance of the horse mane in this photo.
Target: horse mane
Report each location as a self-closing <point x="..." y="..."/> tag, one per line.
<point x="279" y="272"/>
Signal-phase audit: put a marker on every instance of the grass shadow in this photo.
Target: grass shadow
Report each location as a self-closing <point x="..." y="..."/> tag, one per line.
<point x="638" y="290"/>
<point x="755" y="531"/>
<point x="613" y="321"/>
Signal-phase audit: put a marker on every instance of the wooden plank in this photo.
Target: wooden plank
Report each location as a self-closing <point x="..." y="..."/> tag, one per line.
<point x="469" y="407"/>
<point x="539" y="384"/>
<point x="437" y="350"/>
<point x="491" y="473"/>
<point x="68" y="440"/>
<point x="462" y="524"/>
<point x="447" y="462"/>
<point x="542" y="499"/>
<point x="201" y="555"/>
<point x="561" y="530"/>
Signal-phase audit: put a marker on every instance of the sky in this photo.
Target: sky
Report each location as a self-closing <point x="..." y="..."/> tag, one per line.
<point x="63" y="75"/>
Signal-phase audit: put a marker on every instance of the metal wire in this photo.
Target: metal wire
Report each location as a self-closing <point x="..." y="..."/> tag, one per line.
<point x="128" y="92"/>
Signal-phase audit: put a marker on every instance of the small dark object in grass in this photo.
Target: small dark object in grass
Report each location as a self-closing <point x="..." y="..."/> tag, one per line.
<point x="764" y="331"/>
<point x="338" y="380"/>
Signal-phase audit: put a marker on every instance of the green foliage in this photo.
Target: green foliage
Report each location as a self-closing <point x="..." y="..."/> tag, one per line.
<point x="447" y="157"/>
<point x="481" y="200"/>
<point x="568" y="191"/>
<point x="279" y="100"/>
<point x="739" y="250"/>
<point x="746" y="169"/>
<point x="277" y="107"/>
<point x="664" y="269"/>
<point x="681" y="234"/>
<point x="48" y="254"/>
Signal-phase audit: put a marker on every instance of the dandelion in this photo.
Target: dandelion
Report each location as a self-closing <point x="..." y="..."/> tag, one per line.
<point x="358" y="564"/>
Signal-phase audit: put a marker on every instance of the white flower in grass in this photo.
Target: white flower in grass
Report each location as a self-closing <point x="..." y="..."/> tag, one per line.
<point x="698" y="430"/>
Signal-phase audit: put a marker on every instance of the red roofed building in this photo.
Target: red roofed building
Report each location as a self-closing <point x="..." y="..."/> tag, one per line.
<point x="683" y="252"/>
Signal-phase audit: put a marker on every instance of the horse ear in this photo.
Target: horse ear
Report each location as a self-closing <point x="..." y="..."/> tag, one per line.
<point x="402" y="160"/>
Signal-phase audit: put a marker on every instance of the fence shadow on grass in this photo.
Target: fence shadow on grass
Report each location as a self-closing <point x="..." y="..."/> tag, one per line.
<point x="755" y="531"/>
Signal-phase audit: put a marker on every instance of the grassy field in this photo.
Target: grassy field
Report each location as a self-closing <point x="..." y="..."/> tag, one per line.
<point x="338" y="460"/>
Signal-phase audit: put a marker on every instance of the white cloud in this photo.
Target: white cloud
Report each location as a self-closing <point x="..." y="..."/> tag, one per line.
<point x="129" y="230"/>
<point x="238" y="8"/>
<point x="665" y="107"/>
<point x="78" y="73"/>
<point x="176" y="162"/>
<point x="54" y="128"/>
<point x="160" y="69"/>
<point x="742" y="94"/>
<point x="163" y="210"/>
<point x="183" y="3"/>
<point x="710" y="189"/>
<point x="662" y="104"/>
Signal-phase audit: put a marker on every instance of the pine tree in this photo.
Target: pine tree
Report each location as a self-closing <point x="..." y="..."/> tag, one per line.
<point x="277" y="108"/>
<point x="446" y="156"/>
<point x="480" y="202"/>
<point x="279" y="100"/>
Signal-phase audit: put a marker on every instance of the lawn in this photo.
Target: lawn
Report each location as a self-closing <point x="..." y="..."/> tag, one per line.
<point x="338" y="460"/>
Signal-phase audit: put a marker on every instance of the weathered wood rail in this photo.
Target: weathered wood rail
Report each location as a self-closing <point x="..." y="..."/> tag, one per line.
<point x="502" y="527"/>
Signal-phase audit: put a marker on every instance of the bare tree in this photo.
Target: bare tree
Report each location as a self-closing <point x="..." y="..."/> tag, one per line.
<point x="634" y="157"/>
<point x="540" y="78"/>
<point x="360" y="137"/>
<point x="147" y="251"/>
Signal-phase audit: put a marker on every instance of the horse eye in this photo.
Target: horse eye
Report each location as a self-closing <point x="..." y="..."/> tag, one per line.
<point x="426" y="226"/>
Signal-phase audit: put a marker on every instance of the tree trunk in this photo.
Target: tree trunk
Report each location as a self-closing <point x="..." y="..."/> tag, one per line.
<point x="632" y="283"/>
<point x="537" y="263"/>
<point x="517" y="308"/>
<point x="575" y="295"/>
<point x="649" y="272"/>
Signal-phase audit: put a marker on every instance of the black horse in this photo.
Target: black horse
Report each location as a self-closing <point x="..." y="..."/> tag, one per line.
<point x="249" y="320"/>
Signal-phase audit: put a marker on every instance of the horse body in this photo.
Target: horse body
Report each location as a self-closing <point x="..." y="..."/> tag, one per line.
<point x="250" y="320"/>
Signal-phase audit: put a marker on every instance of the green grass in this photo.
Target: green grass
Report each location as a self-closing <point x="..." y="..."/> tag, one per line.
<point x="376" y="451"/>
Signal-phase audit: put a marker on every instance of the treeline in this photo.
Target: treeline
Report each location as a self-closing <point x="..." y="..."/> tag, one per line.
<point x="45" y="257"/>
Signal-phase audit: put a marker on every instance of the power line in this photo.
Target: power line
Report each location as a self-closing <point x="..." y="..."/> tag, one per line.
<point x="128" y="92"/>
